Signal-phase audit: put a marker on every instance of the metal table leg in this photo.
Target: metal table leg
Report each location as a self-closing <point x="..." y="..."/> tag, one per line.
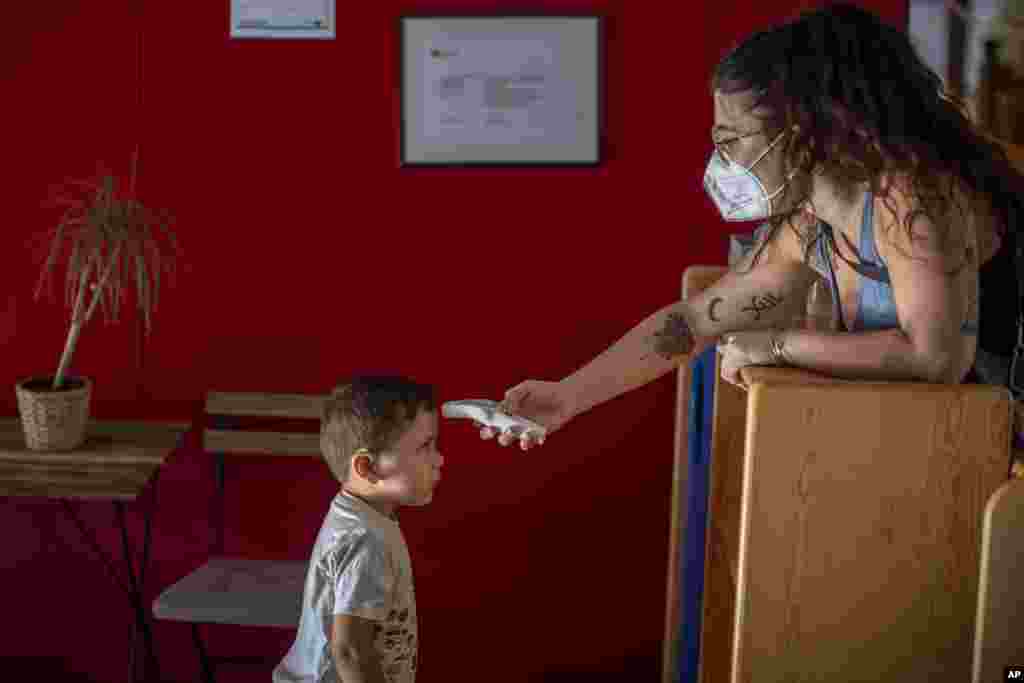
<point x="205" y="665"/>
<point x="135" y="585"/>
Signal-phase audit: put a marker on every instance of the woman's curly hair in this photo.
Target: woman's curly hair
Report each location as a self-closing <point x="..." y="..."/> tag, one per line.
<point x="866" y="107"/>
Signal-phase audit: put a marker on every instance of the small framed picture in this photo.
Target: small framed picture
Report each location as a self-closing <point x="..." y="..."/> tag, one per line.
<point x="288" y="19"/>
<point x="501" y="90"/>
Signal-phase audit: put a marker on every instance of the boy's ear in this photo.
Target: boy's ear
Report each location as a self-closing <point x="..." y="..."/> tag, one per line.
<point x="362" y="463"/>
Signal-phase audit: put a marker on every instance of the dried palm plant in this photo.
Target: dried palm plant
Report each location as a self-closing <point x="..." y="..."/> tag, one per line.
<point x="103" y="229"/>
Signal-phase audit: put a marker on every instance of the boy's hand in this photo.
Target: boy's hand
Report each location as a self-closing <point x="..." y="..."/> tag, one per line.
<point x="550" y="404"/>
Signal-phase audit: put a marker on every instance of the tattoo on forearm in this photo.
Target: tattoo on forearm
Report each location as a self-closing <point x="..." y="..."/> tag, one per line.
<point x="760" y="304"/>
<point x="711" y="308"/>
<point x="675" y="338"/>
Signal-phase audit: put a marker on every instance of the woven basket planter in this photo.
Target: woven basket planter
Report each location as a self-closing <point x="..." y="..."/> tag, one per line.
<point x="54" y="420"/>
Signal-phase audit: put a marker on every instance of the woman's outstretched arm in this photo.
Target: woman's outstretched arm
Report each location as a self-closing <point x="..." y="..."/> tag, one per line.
<point x="763" y="297"/>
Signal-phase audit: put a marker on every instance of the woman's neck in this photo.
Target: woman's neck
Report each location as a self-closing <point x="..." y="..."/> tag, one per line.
<point x="840" y="208"/>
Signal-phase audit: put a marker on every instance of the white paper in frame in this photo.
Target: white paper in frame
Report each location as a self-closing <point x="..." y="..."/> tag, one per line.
<point x="284" y="19"/>
<point x="501" y="90"/>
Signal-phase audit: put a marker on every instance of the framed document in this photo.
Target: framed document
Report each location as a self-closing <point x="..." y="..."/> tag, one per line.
<point x="501" y="90"/>
<point x="290" y="19"/>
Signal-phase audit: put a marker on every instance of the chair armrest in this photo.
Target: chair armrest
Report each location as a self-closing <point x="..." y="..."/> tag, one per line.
<point x="769" y="375"/>
<point x="756" y="374"/>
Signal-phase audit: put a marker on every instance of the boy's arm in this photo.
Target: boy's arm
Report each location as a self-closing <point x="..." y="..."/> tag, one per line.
<point x="352" y="650"/>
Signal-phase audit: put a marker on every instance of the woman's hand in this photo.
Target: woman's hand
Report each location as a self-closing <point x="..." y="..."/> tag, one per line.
<point x="740" y="349"/>
<point x="550" y="404"/>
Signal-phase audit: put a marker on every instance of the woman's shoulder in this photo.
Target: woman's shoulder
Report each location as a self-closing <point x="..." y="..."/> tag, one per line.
<point x="907" y="225"/>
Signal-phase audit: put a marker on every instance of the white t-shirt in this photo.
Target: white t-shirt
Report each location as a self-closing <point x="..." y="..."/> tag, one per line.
<point x="359" y="566"/>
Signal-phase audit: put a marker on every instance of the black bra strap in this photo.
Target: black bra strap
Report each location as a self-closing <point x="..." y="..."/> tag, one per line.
<point x="872" y="272"/>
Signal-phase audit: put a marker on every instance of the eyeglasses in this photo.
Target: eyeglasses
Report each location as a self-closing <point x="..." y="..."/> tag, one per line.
<point x="720" y="145"/>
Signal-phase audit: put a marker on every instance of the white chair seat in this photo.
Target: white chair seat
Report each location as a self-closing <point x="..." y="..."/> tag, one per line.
<point x="236" y="591"/>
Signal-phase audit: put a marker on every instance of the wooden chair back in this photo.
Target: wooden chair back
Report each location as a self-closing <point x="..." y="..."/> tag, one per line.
<point x="225" y="437"/>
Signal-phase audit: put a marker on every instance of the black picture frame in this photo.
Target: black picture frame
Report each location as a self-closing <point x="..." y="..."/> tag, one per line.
<point x="413" y="153"/>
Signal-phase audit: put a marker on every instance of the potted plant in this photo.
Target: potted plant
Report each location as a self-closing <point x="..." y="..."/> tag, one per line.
<point x="103" y="228"/>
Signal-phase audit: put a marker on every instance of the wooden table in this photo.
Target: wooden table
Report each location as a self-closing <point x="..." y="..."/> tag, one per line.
<point x="115" y="463"/>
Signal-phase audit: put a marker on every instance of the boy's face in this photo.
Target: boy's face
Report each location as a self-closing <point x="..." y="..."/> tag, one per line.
<point x="409" y="471"/>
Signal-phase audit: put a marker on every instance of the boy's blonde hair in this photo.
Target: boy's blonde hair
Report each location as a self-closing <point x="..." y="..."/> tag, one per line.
<point x="369" y="412"/>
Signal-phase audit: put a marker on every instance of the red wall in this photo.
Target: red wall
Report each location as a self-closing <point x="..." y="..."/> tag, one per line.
<point x="307" y="255"/>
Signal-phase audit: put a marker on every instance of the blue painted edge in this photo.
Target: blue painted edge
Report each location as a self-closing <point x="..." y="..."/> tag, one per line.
<point x="702" y="386"/>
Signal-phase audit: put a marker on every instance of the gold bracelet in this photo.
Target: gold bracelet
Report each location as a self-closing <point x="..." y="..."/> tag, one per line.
<point x="778" y="350"/>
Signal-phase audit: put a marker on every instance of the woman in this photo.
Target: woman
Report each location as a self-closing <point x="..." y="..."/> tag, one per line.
<point x="834" y="132"/>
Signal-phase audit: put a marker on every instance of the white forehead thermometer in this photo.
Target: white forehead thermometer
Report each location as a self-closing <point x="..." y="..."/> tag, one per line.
<point x="489" y="413"/>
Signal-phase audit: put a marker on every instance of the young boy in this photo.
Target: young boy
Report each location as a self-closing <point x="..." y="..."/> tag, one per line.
<point x="379" y="438"/>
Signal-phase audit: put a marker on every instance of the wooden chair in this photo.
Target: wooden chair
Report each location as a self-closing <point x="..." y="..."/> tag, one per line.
<point x="242" y="591"/>
<point x="844" y="536"/>
<point x="688" y="483"/>
<point x="999" y="635"/>
<point x="999" y="101"/>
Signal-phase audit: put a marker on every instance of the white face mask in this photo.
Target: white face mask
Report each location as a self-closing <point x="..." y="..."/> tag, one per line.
<point x="736" y="191"/>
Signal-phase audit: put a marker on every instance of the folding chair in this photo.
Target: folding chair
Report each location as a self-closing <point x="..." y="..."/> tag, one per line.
<point x="242" y="591"/>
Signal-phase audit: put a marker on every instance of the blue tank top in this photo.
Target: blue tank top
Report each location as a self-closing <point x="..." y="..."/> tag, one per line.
<point x="876" y="308"/>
